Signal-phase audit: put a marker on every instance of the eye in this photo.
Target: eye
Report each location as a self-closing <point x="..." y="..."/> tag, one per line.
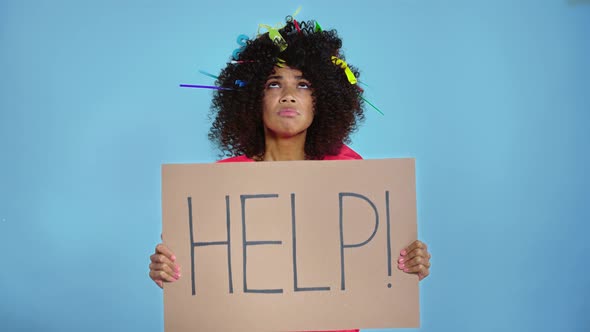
<point x="303" y="85"/>
<point x="273" y="85"/>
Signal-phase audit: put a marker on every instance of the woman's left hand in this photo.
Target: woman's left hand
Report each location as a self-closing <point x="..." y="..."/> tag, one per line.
<point x="415" y="259"/>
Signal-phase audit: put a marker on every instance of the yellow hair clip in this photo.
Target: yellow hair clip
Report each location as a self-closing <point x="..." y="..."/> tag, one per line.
<point x="275" y="36"/>
<point x="347" y="71"/>
<point x="281" y="63"/>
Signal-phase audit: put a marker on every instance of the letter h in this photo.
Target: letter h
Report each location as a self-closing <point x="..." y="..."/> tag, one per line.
<point x="194" y="244"/>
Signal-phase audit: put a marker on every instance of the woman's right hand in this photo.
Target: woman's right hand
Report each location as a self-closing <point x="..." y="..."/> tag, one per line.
<point x="163" y="267"/>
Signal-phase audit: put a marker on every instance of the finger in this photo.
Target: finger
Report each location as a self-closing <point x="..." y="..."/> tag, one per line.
<point x="414" y="245"/>
<point x="413" y="262"/>
<point x="162" y="275"/>
<point x="406" y="264"/>
<point x="162" y="272"/>
<point x="423" y="275"/>
<point x="166" y="268"/>
<point x="416" y="269"/>
<point x="163" y="255"/>
<point x="412" y="254"/>
<point x="161" y="259"/>
<point x="159" y="283"/>
<point x="162" y="249"/>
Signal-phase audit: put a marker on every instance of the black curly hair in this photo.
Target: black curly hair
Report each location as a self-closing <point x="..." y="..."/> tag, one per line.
<point x="237" y="126"/>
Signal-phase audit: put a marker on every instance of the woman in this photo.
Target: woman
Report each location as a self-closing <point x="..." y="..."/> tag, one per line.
<point x="288" y="95"/>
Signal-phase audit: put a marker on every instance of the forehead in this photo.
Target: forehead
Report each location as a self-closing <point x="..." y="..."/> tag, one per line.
<point x="286" y="72"/>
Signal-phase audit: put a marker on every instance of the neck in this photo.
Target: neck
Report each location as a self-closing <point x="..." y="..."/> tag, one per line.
<point x="284" y="149"/>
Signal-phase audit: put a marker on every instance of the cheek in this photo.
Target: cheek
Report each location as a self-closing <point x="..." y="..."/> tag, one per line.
<point x="311" y="105"/>
<point x="269" y="99"/>
<point x="267" y="114"/>
<point x="266" y="105"/>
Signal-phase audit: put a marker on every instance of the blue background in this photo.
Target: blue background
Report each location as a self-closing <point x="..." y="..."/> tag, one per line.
<point x="491" y="97"/>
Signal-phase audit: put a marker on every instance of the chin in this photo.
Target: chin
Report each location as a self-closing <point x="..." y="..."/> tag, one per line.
<point x="288" y="133"/>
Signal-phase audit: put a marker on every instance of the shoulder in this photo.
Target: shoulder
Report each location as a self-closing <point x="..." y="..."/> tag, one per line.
<point x="346" y="153"/>
<point x="237" y="159"/>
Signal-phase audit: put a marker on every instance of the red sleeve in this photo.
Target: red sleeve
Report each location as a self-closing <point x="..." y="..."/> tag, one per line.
<point x="345" y="153"/>
<point x="238" y="159"/>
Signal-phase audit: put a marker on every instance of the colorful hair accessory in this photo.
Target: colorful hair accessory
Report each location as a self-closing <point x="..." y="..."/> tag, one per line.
<point x="281" y="63"/>
<point x="363" y="98"/>
<point x="241" y="61"/>
<point x="318" y="27"/>
<point x="296" y="25"/>
<point x="208" y="74"/>
<point x="277" y="39"/>
<point x="240" y="83"/>
<point x="375" y="107"/>
<point x="277" y="26"/>
<point x="274" y="35"/>
<point x="204" y="87"/>
<point x="347" y="71"/>
<point x="242" y="41"/>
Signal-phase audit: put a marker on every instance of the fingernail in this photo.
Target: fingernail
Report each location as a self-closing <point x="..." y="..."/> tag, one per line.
<point x="176" y="276"/>
<point x="406" y="270"/>
<point x="173" y="258"/>
<point x="176" y="268"/>
<point x="401" y="260"/>
<point x="403" y="252"/>
<point x="402" y="266"/>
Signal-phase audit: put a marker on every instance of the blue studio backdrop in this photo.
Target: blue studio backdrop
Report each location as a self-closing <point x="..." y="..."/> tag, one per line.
<point x="492" y="98"/>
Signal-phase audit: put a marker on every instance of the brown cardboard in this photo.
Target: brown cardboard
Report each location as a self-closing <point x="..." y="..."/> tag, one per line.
<point x="269" y="300"/>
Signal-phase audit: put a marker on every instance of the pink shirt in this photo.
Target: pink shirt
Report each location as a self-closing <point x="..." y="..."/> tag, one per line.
<point x="345" y="153"/>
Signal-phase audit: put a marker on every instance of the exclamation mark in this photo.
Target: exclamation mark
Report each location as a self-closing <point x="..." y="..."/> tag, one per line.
<point x="388" y="236"/>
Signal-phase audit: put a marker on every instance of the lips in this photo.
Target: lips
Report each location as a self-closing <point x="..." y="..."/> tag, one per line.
<point x="288" y="112"/>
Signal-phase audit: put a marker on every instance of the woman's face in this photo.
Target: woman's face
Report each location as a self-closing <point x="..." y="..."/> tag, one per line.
<point x="287" y="105"/>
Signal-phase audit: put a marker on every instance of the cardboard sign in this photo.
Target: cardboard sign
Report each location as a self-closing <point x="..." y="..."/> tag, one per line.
<point x="290" y="246"/>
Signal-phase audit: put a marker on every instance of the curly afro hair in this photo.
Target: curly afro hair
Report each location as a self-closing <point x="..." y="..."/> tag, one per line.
<point x="237" y="127"/>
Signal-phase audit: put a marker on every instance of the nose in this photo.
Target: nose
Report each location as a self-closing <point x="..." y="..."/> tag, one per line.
<point x="288" y="97"/>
